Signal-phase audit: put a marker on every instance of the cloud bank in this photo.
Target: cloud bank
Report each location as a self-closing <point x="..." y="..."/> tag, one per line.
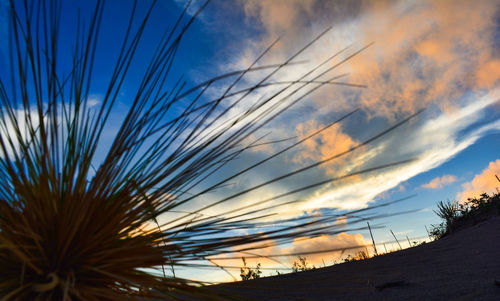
<point x="440" y="56"/>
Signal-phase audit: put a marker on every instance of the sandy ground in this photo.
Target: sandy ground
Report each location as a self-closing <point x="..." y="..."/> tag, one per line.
<point x="462" y="266"/>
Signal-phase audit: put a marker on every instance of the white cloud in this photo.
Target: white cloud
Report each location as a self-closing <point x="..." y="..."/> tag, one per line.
<point x="433" y="143"/>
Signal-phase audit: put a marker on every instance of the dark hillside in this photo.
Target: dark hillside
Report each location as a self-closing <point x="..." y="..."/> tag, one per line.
<point x="463" y="265"/>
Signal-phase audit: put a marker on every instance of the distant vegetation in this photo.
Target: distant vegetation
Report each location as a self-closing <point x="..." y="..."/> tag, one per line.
<point x="472" y="211"/>
<point x="247" y="273"/>
<point x="301" y="265"/>
<point x="361" y="255"/>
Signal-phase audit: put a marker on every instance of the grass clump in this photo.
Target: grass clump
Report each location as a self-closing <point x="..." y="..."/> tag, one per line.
<point x="456" y="215"/>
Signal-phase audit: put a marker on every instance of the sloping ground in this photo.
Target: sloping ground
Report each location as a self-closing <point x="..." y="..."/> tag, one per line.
<point x="462" y="266"/>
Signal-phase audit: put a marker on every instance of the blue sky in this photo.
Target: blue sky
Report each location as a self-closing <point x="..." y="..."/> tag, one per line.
<point x="441" y="56"/>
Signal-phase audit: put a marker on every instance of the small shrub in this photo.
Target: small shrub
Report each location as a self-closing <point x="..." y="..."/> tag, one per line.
<point x="454" y="214"/>
<point x="361" y="255"/>
<point x="437" y="231"/>
<point x="448" y="211"/>
<point x="247" y="273"/>
<point x="301" y="265"/>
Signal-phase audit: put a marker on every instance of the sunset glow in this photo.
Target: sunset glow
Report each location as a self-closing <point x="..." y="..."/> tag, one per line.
<point x="439" y="60"/>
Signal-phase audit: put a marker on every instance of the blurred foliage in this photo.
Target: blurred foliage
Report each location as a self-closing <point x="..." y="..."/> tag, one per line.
<point x="301" y="265"/>
<point x="247" y="273"/>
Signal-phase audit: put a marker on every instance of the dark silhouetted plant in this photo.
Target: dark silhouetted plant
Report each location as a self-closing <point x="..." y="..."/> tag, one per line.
<point x="80" y="212"/>
<point x="455" y="214"/>
<point x="247" y="273"/>
<point x="361" y="255"/>
<point x="301" y="265"/>
<point x="448" y="211"/>
<point x="416" y="243"/>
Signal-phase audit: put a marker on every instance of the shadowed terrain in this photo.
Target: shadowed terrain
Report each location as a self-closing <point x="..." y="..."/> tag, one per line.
<point x="461" y="266"/>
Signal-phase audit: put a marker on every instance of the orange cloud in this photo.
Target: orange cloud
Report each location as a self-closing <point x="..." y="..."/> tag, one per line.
<point x="326" y="242"/>
<point x="488" y="74"/>
<point x="425" y="53"/>
<point x="439" y="182"/>
<point x="299" y="245"/>
<point x="328" y="143"/>
<point x="483" y="182"/>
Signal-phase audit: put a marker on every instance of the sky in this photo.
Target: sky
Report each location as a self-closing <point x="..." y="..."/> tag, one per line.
<point x="441" y="56"/>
